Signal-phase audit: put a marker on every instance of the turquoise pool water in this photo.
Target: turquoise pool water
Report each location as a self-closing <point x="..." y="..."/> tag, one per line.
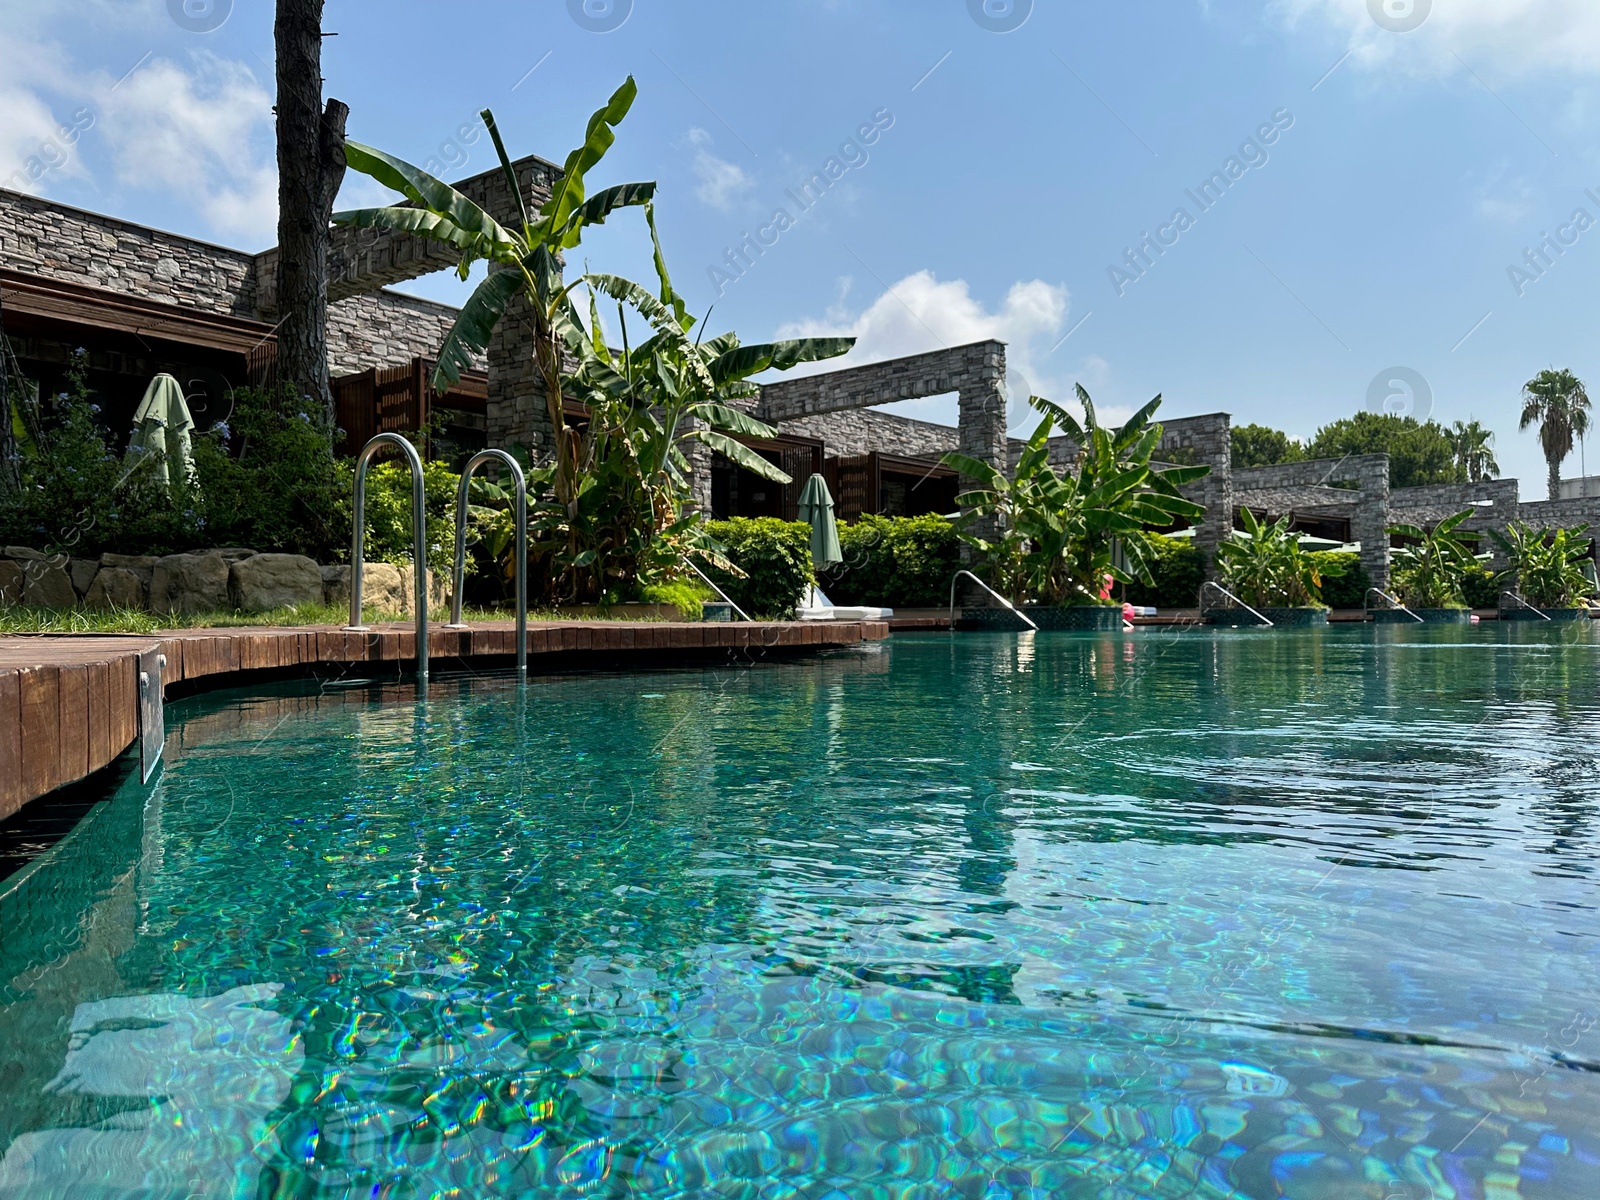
<point x="1233" y="914"/>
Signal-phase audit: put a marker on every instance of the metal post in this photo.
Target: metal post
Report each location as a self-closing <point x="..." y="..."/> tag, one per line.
<point x="419" y="544"/>
<point x="956" y="578"/>
<point x="521" y="516"/>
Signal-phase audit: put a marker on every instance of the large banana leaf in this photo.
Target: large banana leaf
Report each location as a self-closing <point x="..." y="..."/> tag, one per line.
<point x="744" y="361"/>
<point x="601" y="205"/>
<point x="741" y="454"/>
<point x="419" y="222"/>
<point x="433" y="194"/>
<point x="598" y="138"/>
<point x="669" y="294"/>
<point x="731" y="420"/>
<point x="474" y="326"/>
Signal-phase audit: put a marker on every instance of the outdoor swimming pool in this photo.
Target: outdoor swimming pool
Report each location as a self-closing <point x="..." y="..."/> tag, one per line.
<point x="1233" y="914"/>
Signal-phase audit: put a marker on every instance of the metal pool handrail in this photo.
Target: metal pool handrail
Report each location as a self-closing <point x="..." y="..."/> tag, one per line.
<point x="1395" y="603"/>
<point x="419" y="544"/>
<point x="520" y="499"/>
<point x="1542" y="614"/>
<point x="715" y="588"/>
<point x="954" y="579"/>
<point x="1209" y="584"/>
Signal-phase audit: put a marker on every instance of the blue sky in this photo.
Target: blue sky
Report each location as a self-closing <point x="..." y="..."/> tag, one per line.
<point x="1410" y="170"/>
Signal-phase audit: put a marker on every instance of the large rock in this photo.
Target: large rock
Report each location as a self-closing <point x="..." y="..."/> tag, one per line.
<point x="263" y="582"/>
<point x="82" y="571"/>
<point x="115" y="587"/>
<point x="10" y="582"/>
<point x="22" y="552"/>
<point x="384" y="587"/>
<point x="142" y="565"/>
<point x="232" y="553"/>
<point x="46" y="584"/>
<point x="189" y="583"/>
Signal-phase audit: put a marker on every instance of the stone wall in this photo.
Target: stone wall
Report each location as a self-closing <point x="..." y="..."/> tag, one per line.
<point x="862" y="431"/>
<point x="1370" y="520"/>
<point x="1208" y="441"/>
<point x="385" y="329"/>
<point x="1428" y="505"/>
<point x="976" y="373"/>
<point x="76" y="246"/>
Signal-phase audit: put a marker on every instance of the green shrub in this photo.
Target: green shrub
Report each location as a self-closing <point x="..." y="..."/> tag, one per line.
<point x="1481" y="588"/>
<point x="898" y="562"/>
<point x="268" y="479"/>
<point x="1179" y="568"/>
<point x="74" y="494"/>
<point x="775" y="557"/>
<point x="388" y="516"/>
<point x="685" y="595"/>
<point x="1345" y="590"/>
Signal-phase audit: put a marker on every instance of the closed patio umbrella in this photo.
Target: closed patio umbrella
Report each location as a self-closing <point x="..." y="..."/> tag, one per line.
<point x="816" y="510"/>
<point x="161" y="426"/>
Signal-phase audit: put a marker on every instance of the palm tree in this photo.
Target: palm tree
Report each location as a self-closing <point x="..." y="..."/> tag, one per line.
<point x="1474" y="451"/>
<point x="1558" y="402"/>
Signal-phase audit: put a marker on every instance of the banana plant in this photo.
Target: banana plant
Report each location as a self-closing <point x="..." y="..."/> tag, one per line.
<point x="1546" y="564"/>
<point x="1429" y="572"/>
<point x="650" y="405"/>
<point x="1267" y="567"/>
<point x="524" y="261"/>
<point x="1063" y="533"/>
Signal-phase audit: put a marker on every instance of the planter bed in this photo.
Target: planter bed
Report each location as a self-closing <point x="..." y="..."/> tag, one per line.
<point x="1293" y="618"/>
<point x="1555" y="614"/>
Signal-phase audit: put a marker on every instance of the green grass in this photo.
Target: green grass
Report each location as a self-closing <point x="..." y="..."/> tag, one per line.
<point x="16" y="619"/>
<point x="118" y="620"/>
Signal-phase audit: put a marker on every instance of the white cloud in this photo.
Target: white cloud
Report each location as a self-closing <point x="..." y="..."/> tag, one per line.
<point x="720" y="182"/>
<point x="38" y="138"/>
<point x="920" y="314"/>
<point x="1509" y="200"/>
<point x="204" y="133"/>
<point x="1505" y="37"/>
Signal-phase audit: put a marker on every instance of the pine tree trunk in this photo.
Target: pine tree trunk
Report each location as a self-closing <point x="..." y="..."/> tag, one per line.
<point x="310" y="170"/>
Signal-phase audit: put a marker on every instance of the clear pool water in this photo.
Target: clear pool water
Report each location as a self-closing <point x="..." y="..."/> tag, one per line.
<point x="1235" y="914"/>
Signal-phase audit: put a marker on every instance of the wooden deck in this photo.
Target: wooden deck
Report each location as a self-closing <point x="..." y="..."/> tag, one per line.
<point x="69" y="704"/>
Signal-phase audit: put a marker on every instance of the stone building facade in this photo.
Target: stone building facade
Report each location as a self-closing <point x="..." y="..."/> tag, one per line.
<point x="371" y="326"/>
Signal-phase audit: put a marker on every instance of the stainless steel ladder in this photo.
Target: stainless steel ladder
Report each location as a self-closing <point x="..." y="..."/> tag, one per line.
<point x="520" y="500"/>
<point x="419" y="544"/>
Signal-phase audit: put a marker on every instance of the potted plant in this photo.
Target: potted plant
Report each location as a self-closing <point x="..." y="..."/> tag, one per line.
<point x="1063" y="534"/>
<point x="1546" y="573"/>
<point x="1265" y="566"/>
<point x="1430" y="571"/>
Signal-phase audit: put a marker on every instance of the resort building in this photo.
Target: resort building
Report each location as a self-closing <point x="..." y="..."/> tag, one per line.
<point x="140" y="301"/>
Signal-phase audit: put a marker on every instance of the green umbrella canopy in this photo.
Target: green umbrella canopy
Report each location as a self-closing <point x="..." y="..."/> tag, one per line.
<point x="161" y="426"/>
<point x="816" y="510"/>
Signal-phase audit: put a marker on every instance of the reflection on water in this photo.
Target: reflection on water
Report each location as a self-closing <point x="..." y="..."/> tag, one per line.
<point x="186" y="1086"/>
<point x="1210" y="915"/>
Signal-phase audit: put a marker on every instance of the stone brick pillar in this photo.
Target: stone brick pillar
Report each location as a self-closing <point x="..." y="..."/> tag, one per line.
<point x="983" y="420"/>
<point x="516" y="409"/>
<point x="1370" y="524"/>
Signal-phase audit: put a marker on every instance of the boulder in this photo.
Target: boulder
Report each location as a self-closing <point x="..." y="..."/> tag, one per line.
<point x="115" y="587"/>
<point x="142" y="565"/>
<point x="82" y="571"/>
<point x="383" y="587"/>
<point x="232" y="553"/>
<point x="22" y="552"/>
<point x="189" y="583"/>
<point x="46" y="584"/>
<point x="10" y="582"/>
<point x="336" y="585"/>
<point x="263" y="582"/>
<point x="438" y="591"/>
